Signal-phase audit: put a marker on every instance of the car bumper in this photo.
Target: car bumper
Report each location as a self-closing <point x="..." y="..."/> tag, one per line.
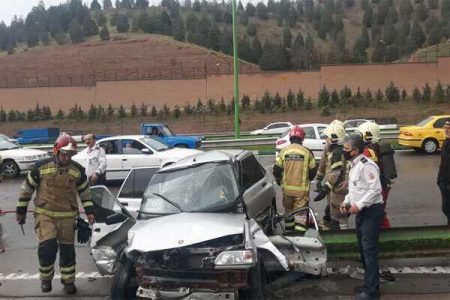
<point x="25" y="166"/>
<point x="410" y="142"/>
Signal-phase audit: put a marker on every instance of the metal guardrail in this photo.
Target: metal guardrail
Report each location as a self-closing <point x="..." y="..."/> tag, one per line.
<point x="232" y="142"/>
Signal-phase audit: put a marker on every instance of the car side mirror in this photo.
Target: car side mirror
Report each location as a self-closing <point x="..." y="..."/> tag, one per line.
<point x="146" y="151"/>
<point x="115" y="218"/>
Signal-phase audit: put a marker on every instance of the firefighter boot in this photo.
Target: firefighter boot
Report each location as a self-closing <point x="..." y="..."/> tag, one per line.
<point x="46" y="286"/>
<point x="70" y="288"/>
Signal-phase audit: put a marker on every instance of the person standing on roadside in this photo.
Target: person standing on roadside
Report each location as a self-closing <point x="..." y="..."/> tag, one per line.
<point x="95" y="164"/>
<point x="443" y="179"/>
<point x="364" y="200"/>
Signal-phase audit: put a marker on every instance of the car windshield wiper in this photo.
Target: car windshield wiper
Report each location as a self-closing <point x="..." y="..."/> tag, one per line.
<point x="169" y="201"/>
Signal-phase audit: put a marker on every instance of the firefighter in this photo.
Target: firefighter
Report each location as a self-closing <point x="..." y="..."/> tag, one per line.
<point x="334" y="170"/>
<point x="370" y="132"/>
<point x="294" y="169"/>
<point x="57" y="181"/>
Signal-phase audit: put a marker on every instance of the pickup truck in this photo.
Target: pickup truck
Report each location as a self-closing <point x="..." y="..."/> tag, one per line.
<point x="164" y="133"/>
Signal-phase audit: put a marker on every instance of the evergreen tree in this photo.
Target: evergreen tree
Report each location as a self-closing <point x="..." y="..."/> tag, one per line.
<point x="392" y="93"/>
<point x="324" y="97"/>
<point x="95" y="5"/>
<point x="364" y="37"/>
<point x="379" y="97"/>
<point x="404" y="95"/>
<point x="143" y="110"/>
<point x="244" y="50"/>
<point x="273" y="58"/>
<point x="3" y="116"/>
<point x="298" y="53"/>
<point x="76" y="34"/>
<point x="368" y="17"/>
<point x="365" y="4"/>
<point x="251" y="29"/>
<point x="417" y="95"/>
<point x="107" y="4"/>
<point x="12" y="116"/>
<point x="393" y="15"/>
<point x="436" y="34"/>
<point x="113" y="20"/>
<point x="287" y="37"/>
<point x="133" y="110"/>
<point x="426" y="93"/>
<point x="104" y="34"/>
<point x="226" y="43"/>
<point x="92" y="113"/>
<point x="214" y="37"/>
<point x="250" y="9"/>
<point x="142" y="4"/>
<point x="60" y="115"/>
<point x="311" y="61"/>
<point x="110" y="111"/>
<point x="445" y="10"/>
<point x="300" y="99"/>
<point x="389" y="33"/>
<point x="179" y="30"/>
<point x="308" y="105"/>
<point x="261" y="11"/>
<point x="32" y="38"/>
<point x="382" y="12"/>
<point x="188" y="109"/>
<point x="439" y="93"/>
<point x="45" y="38"/>
<point x="89" y="27"/>
<point x="406" y="9"/>
<point x="417" y="35"/>
<point x="176" y="112"/>
<point x="122" y="23"/>
<point x="257" y="50"/>
<point x="122" y="113"/>
<point x="368" y="96"/>
<point x="422" y="11"/>
<point x="293" y="16"/>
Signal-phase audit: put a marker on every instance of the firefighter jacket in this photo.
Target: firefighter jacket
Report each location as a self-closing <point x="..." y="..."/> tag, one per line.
<point x="334" y="168"/>
<point x="297" y="167"/>
<point x="57" y="188"/>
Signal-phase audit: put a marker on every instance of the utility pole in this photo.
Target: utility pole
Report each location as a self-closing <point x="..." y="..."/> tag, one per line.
<point x="237" y="126"/>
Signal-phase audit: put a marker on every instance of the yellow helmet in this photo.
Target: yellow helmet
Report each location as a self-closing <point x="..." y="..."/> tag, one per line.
<point x="338" y="122"/>
<point x="370" y="131"/>
<point x="335" y="132"/>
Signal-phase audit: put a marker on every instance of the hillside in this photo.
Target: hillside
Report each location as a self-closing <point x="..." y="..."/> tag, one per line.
<point x="76" y="39"/>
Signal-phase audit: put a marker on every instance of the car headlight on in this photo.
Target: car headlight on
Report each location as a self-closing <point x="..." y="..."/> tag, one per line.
<point x="230" y="258"/>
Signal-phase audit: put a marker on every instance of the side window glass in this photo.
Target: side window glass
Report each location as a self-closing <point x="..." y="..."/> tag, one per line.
<point x="110" y="147"/>
<point x="104" y="204"/>
<point x="127" y="187"/>
<point x="440" y="123"/>
<point x="131" y="147"/>
<point x="272" y="126"/>
<point x="251" y="171"/>
<point x="320" y="130"/>
<point x="141" y="179"/>
<point x="309" y="133"/>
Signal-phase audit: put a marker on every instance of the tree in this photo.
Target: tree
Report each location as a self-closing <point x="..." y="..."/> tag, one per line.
<point x="404" y="95"/>
<point x="298" y="57"/>
<point x="226" y="41"/>
<point x="379" y="97"/>
<point x="110" y="111"/>
<point x="76" y="34"/>
<point x="60" y="115"/>
<point x="95" y="5"/>
<point x="261" y="11"/>
<point x="364" y="4"/>
<point x="12" y="116"/>
<point x="245" y="101"/>
<point x="308" y="105"/>
<point x="439" y="93"/>
<point x="3" y="116"/>
<point x="324" y="97"/>
<point x="345" y="93"/>
<point x="141" y="4"/>
<point x="179" y="31"/>
<point x="422" y="11"/>
<point x="122" y="23"/>
<point x="176" y="112"/>
<point x="251" y="29"/>
<point x="107" y="4"/>
<point x="89" y="27"/>
<point x="45" y="38"/>
<point x="436" y="34"/>
<point x="445" y="10"/>
<point x="406" y="9"/>
<point x="32" y="38"/>
<point x="273" y="58"/>
<point x="364" y="37"/>
<point x="92" y="113"/>
<point x="293" y="17"/>
<point x="417" y="96"/>
<point x="417" y="35"/>
<point x="250" y="9"/>
<point x="104" y="34"/>
<point x="426" y="93"/>
<point x="368" y="17"/>
<point x="300" y="99"/>
<point x="214" y="37"/>
<point x="287" y="37"/>
<point x="392" y="93"/>
<point x="197" y="6"/>
<point x="393" y="15"/>
<point x="389" y="33"/>
<point x="257" y="49"/>
<point x="311" y="60"/>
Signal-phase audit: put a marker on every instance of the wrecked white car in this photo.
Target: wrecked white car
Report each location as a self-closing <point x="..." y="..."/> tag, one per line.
<point x="207" y="228"/>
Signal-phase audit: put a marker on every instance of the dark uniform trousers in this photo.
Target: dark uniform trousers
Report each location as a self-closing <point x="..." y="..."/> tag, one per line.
<point x="368" y="224"/>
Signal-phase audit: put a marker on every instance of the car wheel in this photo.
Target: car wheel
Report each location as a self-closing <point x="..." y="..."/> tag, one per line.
<point x="258" y="281"/>
<point x="124" y="284"/>
<point x="10" y="169"/>
<point x="430" y="146"/>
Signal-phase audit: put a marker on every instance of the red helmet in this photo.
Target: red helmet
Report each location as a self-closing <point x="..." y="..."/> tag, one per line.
<point x="65" y="143"/>
<point x="297" y="132"/>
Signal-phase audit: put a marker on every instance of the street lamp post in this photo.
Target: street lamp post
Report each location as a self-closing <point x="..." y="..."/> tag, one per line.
<point x="237" y="127"/>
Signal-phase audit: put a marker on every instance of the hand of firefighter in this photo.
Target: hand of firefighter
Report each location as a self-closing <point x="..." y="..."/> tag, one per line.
<point x="318" y="185"/>
<point x="91" y="219"/>
<point x="20" y="218"/>
<point x="322" y="193"/>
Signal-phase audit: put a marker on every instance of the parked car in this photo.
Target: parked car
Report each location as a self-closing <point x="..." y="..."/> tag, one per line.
<point x="163" y="132"/>
<point x="5" y="137"/>
<point x="427" y="135"/>
<point x="312" y="141"/>
<point x="130" y="151"/>
<point x="384" y="123"/>
<point x="17" y="159"/>
<point x="209" y="217"/>
<point x="273" y="128"/>
<point x="37" y="135"/>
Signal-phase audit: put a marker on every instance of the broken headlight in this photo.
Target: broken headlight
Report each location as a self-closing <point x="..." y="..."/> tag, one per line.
<point x="234" y="258"/>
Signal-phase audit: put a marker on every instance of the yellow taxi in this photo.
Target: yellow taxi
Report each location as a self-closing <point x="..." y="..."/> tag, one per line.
<point x="427" y="135"/>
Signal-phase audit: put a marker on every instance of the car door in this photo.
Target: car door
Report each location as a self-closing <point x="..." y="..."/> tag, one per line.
<point x="108" y="239"/>
<point x="258" y="192"/>
<point x="132" y="189"/>
<point x="114" y="159"/>
<point x="438" y="130"/>
<point x="136" y="154"/>
<point x="312" y="142"/>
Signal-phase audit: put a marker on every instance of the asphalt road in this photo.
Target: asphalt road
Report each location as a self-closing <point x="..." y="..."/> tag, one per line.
<point x="414" y="201"/>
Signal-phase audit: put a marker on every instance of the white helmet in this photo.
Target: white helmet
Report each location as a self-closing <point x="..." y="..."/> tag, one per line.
<point x="337" y="122"/>
<point x="370" y="131"/>
<point x="335" y="132"/>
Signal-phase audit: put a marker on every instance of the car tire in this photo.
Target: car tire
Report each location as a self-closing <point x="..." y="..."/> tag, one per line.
<point x="10" y="169"/>
<point x="430" y="146"/>
<point x="124" y="284"/>
<point x="258" y="281"/>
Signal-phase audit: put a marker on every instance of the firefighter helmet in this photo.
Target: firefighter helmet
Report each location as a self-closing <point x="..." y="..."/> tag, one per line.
<point x="335" y="132"/>
<point x="65" y="143"/>
<point x="370" y="131"/>
<point x="337" y="122"/>
<point x="297" y="131"/>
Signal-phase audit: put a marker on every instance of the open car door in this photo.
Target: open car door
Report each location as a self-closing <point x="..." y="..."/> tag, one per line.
<point x="109" y="234"/>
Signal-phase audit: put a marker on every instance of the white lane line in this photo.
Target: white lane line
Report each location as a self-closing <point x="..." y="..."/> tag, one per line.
<point x="28" y="276"/>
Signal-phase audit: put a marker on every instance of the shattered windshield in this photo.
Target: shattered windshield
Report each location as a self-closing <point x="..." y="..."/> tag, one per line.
<point x="205" y="187"/>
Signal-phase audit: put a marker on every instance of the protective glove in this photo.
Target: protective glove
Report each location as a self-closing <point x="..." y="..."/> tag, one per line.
<point x="322" y="194"/>
<point x="20" y="218"/>
<point x="318" y="185"/>
<point x="84" y="232"/>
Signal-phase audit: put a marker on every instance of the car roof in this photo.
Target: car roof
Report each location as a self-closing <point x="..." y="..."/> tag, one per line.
<point x="122" y="137"/>
<point x="440" y="116"/>
<point x="313" y="124"/>
<point x="212" y="156"/>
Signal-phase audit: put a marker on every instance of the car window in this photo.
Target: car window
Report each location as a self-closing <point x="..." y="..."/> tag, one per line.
<point x="320" y="130"/>
<point x="440" y="122"/>
<point x="131" y="147"/>
<point x="251" y="171"/>
<point x="350" y="124"/>
<point x="424" y="122"/>
<point x="110" y="147"/>
<point x="273" y="126"/>
<point x="136" y="183"/>
<point x="309" y="132"/>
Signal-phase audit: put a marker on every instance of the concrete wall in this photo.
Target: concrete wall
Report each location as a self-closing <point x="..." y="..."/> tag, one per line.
<point x="171" y="92"/>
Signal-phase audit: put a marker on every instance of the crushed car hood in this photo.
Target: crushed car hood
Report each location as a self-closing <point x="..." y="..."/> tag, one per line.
<point x="183" y="229"/>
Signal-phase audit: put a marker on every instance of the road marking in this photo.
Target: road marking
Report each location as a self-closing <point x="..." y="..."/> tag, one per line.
<point x="28" y="276"/>
<point x="395" y="270"/>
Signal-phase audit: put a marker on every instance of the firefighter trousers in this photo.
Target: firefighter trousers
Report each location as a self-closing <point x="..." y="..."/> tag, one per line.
<point x="335" y="200"/>
<point x="54" y="234"/>
<point x="299" y="221"/>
